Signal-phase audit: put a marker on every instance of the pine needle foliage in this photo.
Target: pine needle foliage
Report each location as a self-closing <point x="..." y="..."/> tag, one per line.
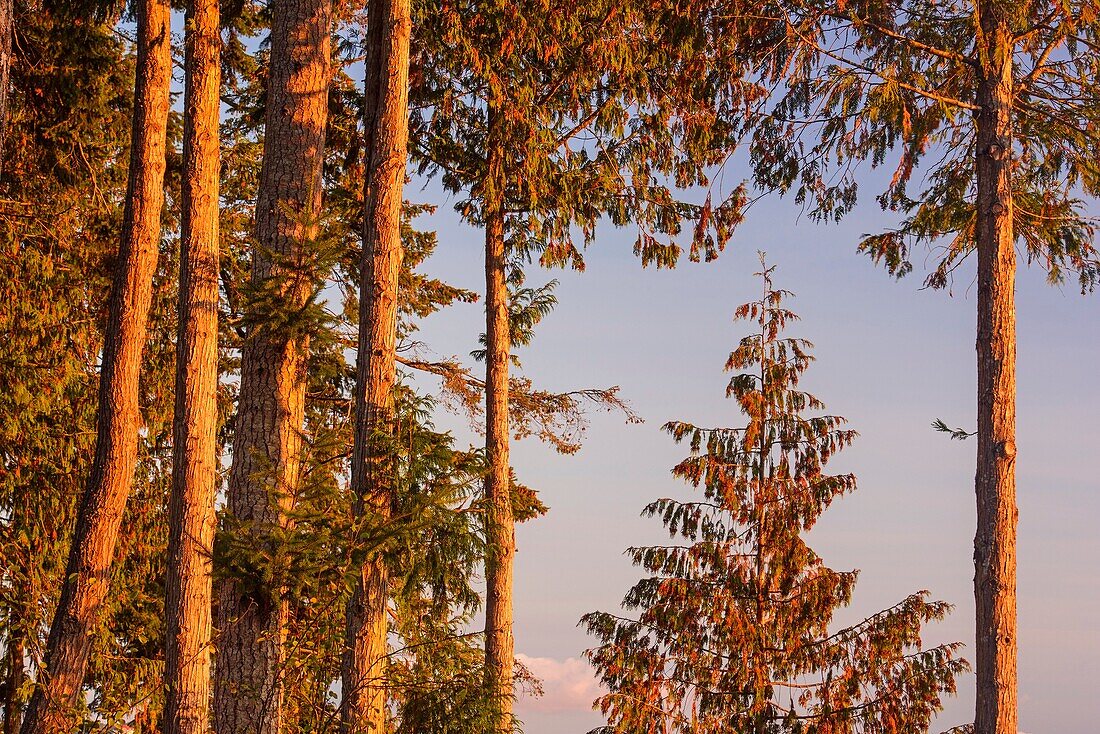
<point x="527" y="307"/>
<point x="895" y="84"/>
<point x="605" y="112"/>
<point x="433" y="539"/>
<point x="61" y="195"/>
<point x="734" y="629"/>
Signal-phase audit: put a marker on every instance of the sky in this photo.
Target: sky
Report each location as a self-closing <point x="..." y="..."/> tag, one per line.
<point x="891" y="357"/>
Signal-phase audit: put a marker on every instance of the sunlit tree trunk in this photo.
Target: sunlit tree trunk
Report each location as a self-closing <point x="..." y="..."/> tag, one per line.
<point x="500" y="531"/>
<point x="100" y="513"/>
<point x="7" y="26"/>
<point x="15" y="673"/>
<point x="195" y="448"/>
<point x="387" y="128"/>
<point x="267" y="444"/>
<point x="995" y="482"/>
<point x="762" y="698"/>
<point x="15" y="638"/>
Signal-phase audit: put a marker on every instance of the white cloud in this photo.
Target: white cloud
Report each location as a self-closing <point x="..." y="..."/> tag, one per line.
<point x="568" y="685"/>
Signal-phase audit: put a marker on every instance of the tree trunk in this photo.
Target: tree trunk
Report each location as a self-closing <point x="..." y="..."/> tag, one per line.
<point x="195" y="423"/>
<point x="88" y="571"/>
<point x="16" y="674"/>
<point x="363" y="708"/>
<point x="7" y="25"/>
<point x="762" y="698"/>
<point x="995" y="480"/>
<point x="500" y="528"/>
<point x="267" y="442"/>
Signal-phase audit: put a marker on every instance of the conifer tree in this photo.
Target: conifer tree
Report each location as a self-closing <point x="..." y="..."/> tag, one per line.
<point x="386" y="104"/>
<point x="71" y="89"/>
<point x="989" y="103"/>
<point x="500" y="546"/>
<point x="279" y="318"/>
<point x="734" y="625"/>
<point x="433" y="672"/>
<point x="317" y="557"/>
<point x="7" y="28"/>
<point x="86" y="582"/>
<point x="187" y="657"/>
<point x="549" y="119"/>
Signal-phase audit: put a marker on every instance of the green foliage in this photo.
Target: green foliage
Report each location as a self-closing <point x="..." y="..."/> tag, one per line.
<point x="63" y="186"/>
<point x="526" y="308"/>
<point x="734" y="628"/>
<point x="304" y="271"/>
<point x="895" y="83"/>
<point x="959" y="434"/>
<point x="598" y="113"/>
<point x="438" y="675"/>
<point x="432" y="544"/>
<point x="435" y="668"/>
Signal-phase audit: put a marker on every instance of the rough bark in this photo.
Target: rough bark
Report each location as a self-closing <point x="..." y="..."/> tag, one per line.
<point x="267" y="445"/>
<point x="87" y="574"/>
<point x="500" y="528"/>
<point x="187" y="658"/>
<point x="15" y="673"/>
<point x="995" y="480"/>
<point x="762" y="696"/>
<point x="363" y="708"/>
<point x="7" y="24"/>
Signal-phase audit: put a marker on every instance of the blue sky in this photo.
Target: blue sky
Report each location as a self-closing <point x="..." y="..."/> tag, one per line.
<point x="891" y="358"/>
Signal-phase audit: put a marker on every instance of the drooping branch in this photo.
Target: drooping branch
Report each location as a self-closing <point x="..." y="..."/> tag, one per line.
<point x="556" y="418"/>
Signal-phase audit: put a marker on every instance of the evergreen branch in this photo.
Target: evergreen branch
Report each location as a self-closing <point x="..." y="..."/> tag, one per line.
<point x="959" y="434"/>
<point x="1040" y="63"/>
<point x="583" y="122"/>
<point x="934" y="50"/>
<point x="553" y="417"/>
<point x="855" y="65"/>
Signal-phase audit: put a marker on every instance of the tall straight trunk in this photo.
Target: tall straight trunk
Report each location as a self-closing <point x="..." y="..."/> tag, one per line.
<point x="15" y="674"/>
<point x="19" y="617"/>
<point x="995" y="479"/>
<point x="195" y="424"/>
<point x="500" y="526"/>
<point x="7" y="26"/>
<point x="87" y="575"/>
<point x="762" y="698"/>
<point x="267" y="443"/>
<point x="363" y="708"/>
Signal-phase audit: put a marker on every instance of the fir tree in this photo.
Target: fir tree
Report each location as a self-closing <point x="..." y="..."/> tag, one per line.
<point x="280" y="317"/>
<point x="87" y="579"/>
<point x="548" y="119"/>
<point x="386" y="126"/>
<point x="734" y="628"/>
<point x="991" y="104"/>
<point x="195" y="459"/>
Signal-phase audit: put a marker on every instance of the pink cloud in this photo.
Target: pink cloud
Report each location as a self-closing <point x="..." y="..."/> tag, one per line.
<point x="568" y="685"/>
